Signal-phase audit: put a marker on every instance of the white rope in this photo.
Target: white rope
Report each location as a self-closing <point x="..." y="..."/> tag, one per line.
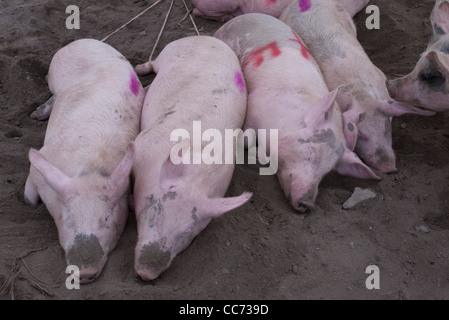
<point x="136" y="17"/>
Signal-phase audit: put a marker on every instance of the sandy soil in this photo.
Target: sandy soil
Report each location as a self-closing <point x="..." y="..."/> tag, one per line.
<point x="263" y="250"/>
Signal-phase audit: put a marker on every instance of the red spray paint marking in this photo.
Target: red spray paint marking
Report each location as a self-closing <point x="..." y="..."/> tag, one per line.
<point x="305" y="5"/>
<point x="239" y="81"/>
<point x="270" y="2"/>
<point x="304" y="51"/>
<point x="257" y="58"/>
<point x="172" y="187"/>
<point x="134" y="84"/>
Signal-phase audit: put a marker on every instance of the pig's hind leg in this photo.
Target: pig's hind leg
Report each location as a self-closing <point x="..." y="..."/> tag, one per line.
<point x="43" y="111"/>
<point x="31" y="196"/>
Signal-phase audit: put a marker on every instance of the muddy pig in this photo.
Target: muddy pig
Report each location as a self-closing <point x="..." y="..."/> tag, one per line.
<point x="82" y="171"/>
<point x="330" y="34"/>
<point x="198" y="79"/>
<point x="287" y="92"/>
<point x="427" y="86"/>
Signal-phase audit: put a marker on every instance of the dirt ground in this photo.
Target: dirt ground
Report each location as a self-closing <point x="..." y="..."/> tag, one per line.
<point x="263" y="250"/>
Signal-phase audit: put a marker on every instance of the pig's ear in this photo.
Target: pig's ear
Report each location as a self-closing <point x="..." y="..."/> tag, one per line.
<point x="118" y="182"/>
<point x="440" y="18"/>
<point x="323" y="112"/>
<point x="213" y="208"/>
<point x="55" y="178"/>
<point x="350" y="120"/>
<point x="395" y="109"/>
<point x="351" y="165"/>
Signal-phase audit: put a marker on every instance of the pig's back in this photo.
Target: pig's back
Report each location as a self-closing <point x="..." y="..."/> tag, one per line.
<point x="199" y="79"/>
<point x="97" y="107"/>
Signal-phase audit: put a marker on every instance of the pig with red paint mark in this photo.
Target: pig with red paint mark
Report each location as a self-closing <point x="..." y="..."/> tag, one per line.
<point x="330" y="34"/>
<point x="82" y="171"/>
<point x="224" y="10"/>
<point x="198" y="79"/>
<point x="287" y="92"/>
<point x="427" y="86"/>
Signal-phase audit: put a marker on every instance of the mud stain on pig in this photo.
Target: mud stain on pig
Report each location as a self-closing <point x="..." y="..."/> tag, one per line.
<point x="323" y="136"/>
<point x="362" y="117"/>
<point x="382" y="156"/>
<point x="86" y="251"/>
<point x="339" y="8"/>
<point x="351" y="127"/>
<point x="194" y="216"/>
<point x="171" y="195"/>
<point x="360" y="95"/>
<point x="445" y="48"/>
<point x="156" y="205"/>
<point x="432" y="79"/>
<point x="154" y="258"/>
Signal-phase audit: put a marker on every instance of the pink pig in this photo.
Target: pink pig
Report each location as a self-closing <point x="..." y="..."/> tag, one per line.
<point x="82" y="171"/>
<point x="198" y="79"/>
<point x="224" y="10"/>
<point x="287" y="92"/>
<point x="427" y="86"/>
<point x="330" y="34"/>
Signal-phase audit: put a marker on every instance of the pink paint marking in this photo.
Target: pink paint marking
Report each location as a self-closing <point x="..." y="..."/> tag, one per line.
<point x="134" y="84"/>
<point x="271" y="2"/>
<point x="172" y="187"/>
<point x="239" y="81"/>
<point x="304" y="5"/>
<point x="304" y="51"/>
<point x="256" y="58"/>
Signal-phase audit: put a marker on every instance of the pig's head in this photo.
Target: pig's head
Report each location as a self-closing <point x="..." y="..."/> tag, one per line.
<point x="367" y="126"/>
<point x="312" y="153"/>
<point x="427" y="86"/>
<point x="171" y="219"/>
<point x="90" y="212"/>
<point x="216" y="10"/>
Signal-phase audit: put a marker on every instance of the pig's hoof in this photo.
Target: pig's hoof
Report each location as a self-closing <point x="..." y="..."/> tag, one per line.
<point x="43" y="111"/>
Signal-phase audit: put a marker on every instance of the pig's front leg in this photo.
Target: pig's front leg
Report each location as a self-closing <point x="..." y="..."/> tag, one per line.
<point x="31" y="196"/>
<point x="43" y="111"/>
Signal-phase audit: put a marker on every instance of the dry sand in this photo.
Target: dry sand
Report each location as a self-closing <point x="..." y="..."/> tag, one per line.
<point x="263" y="250"/>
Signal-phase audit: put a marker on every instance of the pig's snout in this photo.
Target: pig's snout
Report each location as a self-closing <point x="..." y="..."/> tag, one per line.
<point x="151" y="261"/>
<point x="303" y="208"/>
<point x="389" y="167"/>
<point x="303" y="202"/>
<point x="384" y="160"/>
<point x="87" y="254"/>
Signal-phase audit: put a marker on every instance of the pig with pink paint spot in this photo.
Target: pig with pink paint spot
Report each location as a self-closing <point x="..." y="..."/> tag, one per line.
<point x="198" y="79"/>
<point x="82" y="171"/>
<point x="287" y="92"/>
<point x="427" y="86"/>
<point x="224" y="10"/>
<point x="329" y="32"/>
